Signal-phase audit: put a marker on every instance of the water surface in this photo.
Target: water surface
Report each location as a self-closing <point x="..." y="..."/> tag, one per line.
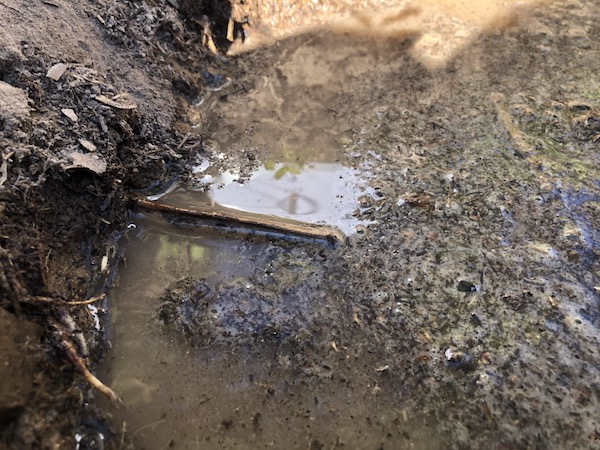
<point x="466" y="312"/>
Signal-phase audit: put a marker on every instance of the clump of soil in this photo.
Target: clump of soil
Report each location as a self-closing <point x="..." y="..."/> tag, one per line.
<point x="281" y="302"/>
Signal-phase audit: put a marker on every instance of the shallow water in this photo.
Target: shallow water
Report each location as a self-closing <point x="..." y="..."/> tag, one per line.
<point x="221" y="396"/>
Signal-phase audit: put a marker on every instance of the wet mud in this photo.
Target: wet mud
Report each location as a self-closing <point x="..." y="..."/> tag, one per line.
<point x="463" y="315"/>
<point x="462" y="310"/>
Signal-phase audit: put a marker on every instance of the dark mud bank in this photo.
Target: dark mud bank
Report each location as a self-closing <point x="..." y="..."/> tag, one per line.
<point x="88" y="113"/>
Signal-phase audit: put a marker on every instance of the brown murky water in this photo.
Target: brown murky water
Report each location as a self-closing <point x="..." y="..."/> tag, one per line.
<point x="471" y="282"/>
<point x="224" y="397"/>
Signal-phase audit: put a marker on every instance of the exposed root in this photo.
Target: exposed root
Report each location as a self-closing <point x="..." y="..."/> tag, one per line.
<point x="75" y="332"/>
<point x="71" y="353"/>
<point x="60" y="302"/>
<point x="9" y="281"/>
<point x="65" y="331"/>
<point x="123" y="431"/>
<point x="148" y="425"/>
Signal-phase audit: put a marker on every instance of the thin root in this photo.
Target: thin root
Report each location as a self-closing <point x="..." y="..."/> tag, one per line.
<point x="11" y="7"/>
<point x="66" y="303"/>
<point x="9" y="280"/>
<point x="69" y="349"/>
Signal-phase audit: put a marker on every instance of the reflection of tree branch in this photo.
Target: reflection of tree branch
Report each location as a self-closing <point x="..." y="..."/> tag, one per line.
<point x="250" y="220"/>
<point x="290" y="204"/>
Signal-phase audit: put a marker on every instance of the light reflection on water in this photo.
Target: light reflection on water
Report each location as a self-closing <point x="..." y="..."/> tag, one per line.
<point x="320" y="193"/>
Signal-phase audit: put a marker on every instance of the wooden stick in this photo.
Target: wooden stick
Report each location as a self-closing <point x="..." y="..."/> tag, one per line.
<point x="268" y="223"/>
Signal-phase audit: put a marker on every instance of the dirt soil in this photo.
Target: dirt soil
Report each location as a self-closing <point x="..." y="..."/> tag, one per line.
<point x="74" y="142"/>
<point x="476" y="288"/>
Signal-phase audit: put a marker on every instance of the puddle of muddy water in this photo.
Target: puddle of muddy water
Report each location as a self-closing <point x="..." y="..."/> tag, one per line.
<point x="218" y="395"/>
<point x="226" y="386"/>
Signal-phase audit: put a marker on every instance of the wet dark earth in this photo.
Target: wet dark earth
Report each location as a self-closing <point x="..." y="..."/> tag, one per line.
<point x="463" y="309"/>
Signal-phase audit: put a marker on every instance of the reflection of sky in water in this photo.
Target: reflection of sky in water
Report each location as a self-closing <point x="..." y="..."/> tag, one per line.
<point x="318" y="193"/>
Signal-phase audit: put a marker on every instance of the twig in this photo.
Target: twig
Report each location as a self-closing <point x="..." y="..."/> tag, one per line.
<point x="268" y="223"/>
<point x="123" y="431"/>
<point x="64" y="302"/>
<point x="11" y="7"/>
<point x="148" y="425"/>
<point x="3" y="172"/>
<point x="211" y="44"/>
<point x="69" y="349"/>
<point x="183" y="141"/>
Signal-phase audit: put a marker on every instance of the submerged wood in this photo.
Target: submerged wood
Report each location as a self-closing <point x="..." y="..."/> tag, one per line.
<point x="249" y="220"/>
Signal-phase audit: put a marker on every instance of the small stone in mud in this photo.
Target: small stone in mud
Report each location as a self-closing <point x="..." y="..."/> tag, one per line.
<point x="486" y="358"/>
<point x="475" y="320"/>
<point x="256" y="420"/>
<point x="466" y="286"/>
<point x="70" y="114"/>
<point x="56" y="71"/>
<point x="459" y="360"/>
<point x="89" y="146"/>
<point x="227" y="423"/>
